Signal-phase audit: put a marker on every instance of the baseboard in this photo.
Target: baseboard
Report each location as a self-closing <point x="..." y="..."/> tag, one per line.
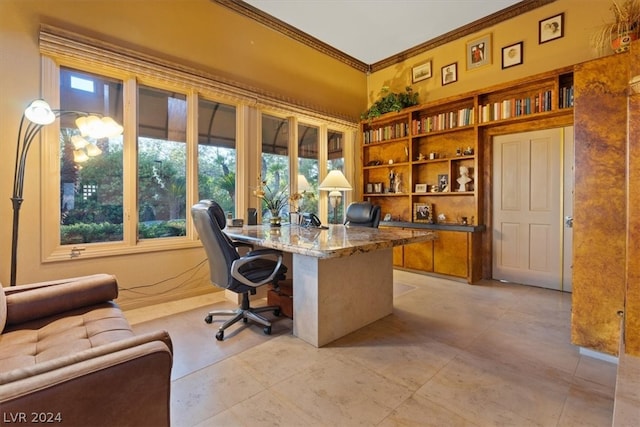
<point x="597" y="355"/>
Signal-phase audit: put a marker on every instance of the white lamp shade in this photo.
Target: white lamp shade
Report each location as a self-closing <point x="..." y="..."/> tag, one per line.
<point x="335" y="181"/>
<point x="303" y="184"/>
<point x="79" y="142"/>
<point x="80" y="156"/>
<point x="40" y="113"/>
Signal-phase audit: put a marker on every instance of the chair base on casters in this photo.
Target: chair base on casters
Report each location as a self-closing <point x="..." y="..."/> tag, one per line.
<point x="245" y="313"/>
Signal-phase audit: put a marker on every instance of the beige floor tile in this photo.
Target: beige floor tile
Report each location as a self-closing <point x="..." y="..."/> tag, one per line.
<point x="451" y="354"/>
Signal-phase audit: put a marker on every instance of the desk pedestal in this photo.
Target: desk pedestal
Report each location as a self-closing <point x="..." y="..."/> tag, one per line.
<point x="333" y="297"/>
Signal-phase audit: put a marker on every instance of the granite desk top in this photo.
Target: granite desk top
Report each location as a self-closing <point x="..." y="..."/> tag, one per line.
<point x="335" y="241"/>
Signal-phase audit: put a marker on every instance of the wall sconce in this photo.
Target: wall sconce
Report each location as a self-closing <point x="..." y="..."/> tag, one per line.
<point x="335" y="183"/>
<point x="39" y="114"/>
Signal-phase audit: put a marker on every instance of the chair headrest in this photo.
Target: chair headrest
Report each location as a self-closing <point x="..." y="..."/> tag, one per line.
<point x="216" y="212"/>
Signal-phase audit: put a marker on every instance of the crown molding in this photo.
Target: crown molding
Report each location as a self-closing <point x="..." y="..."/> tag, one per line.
<point x="271" y="22"/>
<point x="292" y="32"/>
<point x="476" y="26"/>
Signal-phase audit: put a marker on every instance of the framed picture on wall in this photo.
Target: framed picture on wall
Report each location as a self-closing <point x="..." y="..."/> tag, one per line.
<point x="422" y="212"/>
<point x="551" y="28"/>
<point x="479" y="52"/>
<point x="512" y="55"/>
<point x="421" y="72"/>
<point x="449" y="73"/>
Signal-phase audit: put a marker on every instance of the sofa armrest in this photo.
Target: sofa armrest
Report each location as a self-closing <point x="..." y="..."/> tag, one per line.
<point x="121" y="383"/>
<point x="33" y="301"/>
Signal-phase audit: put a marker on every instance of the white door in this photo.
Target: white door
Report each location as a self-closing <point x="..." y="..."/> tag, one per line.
<point x="528" y="202"/>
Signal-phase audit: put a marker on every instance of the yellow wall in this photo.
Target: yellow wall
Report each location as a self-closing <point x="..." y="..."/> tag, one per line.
<point x="581" y="17"/>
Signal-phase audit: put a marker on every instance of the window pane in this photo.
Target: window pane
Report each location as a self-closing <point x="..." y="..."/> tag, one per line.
<point x="217" y="154"/>
<point x="91" y="175"/>
<point x="162" y="130"/>
<point x="336" y="161"/>
<point x="308" y="168"/>
<point x="275" y="160"/>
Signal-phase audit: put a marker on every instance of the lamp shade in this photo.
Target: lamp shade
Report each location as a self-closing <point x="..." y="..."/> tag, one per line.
<point x="335" y="181"/>
<point x="39" y="112"/>
<point x="303" y="184"/>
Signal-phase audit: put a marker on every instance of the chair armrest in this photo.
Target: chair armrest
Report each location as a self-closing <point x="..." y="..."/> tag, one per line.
<point x="253" y="256"/>
<point x="37" y="300"/>
<point x="129" y="381"/>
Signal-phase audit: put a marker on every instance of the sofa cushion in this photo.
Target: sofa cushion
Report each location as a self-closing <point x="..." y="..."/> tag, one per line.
<point x="45" y="339"/>
<point x="3" y="308"/>
<point x="29" y="302"/>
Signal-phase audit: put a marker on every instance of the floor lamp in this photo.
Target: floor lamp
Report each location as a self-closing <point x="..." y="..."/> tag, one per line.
<point x="39" y="114"/>
<point x="335" y="183"/>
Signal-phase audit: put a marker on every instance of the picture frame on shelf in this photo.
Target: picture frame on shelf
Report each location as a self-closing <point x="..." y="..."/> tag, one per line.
<point x="479" y="52"/>
<point x="443" y="183"/>
<point x="551" y="28"/>
<point x="423" y="212"/>
<point x="421" y="188"/>
<point x="449" y="73"/>
<point x="421" y="72"/>
<point x="512" y="55"/>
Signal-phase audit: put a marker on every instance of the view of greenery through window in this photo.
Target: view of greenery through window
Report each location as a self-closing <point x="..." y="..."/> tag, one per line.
<point x="90" y="180"/>
<point x="162" y="170"/>
<point x="92" y="176"/>
<point x="217" y="154"/>
<point x="275" y="160"/>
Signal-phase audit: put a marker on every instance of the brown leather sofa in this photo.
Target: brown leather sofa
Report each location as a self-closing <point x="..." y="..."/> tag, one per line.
<point x="69" y="357"/>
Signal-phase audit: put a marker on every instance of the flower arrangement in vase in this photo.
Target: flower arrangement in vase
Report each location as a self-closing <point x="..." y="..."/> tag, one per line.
<point x="274" y="200"/>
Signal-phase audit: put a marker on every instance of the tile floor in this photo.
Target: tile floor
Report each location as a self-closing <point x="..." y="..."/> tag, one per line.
<point x="450" y="355"/>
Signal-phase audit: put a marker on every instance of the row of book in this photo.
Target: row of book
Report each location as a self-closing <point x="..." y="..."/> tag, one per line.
<point x="500" y="110"/>
<point x="566" y="97"/>
<point x="392" y="131"/>
<point x="516" y="107"/>
<point x="443" y="121"/>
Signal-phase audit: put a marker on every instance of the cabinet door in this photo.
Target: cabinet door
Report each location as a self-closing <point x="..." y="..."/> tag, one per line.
<point x="398" y="256"/>
<point x="419" y="256"/>
<point x="450" y="253"/>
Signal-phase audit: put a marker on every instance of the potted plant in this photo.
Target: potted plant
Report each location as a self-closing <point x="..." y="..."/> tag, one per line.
<point x="624" y="29"/>
<point x="391" y="101"/>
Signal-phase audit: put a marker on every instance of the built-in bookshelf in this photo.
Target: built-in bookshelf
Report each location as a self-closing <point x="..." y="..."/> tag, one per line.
<point x="428" y="158"/>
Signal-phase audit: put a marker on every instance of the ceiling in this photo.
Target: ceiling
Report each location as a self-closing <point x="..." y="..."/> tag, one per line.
<point x="373" y="30"/>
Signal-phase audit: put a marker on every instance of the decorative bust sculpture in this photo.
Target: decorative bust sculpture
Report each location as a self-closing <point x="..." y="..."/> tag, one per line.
<point x="464" y="178"/>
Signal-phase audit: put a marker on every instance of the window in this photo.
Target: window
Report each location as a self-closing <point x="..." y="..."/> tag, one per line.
<point x="336" y="161"/>
<point x="162" y="168"/>
<point x="308" y="141"/>
<point x="275" y="159"/>
<point x="132" y="193"/>
<point x="90" y="175"/>
<point x="217" y="154"/>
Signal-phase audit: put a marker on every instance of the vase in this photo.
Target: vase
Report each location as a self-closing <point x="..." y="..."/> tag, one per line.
<point x="623" y="41"/>
<point x="275" y="220"/>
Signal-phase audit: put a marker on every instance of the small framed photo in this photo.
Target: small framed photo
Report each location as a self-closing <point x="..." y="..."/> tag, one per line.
<point x="423" y="212"/>
<point x="512" y="55"/>
<point x="551" y="28"/>
<point x="449" y="73"/>
<point x="443" y="183"/>
<point x="421" y="188"/>
<point x="421" y="72"/>
<point x="479" y="52"/>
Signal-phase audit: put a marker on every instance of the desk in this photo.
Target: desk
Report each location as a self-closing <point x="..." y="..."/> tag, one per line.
<point x="342" y="276"/>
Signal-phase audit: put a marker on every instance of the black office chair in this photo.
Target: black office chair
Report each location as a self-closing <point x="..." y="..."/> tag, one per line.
<point x="229" y="270"/>
<point x="363" y="214"/>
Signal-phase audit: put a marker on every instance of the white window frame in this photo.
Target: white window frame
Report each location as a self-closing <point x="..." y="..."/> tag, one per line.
<point x="61" y="48"/>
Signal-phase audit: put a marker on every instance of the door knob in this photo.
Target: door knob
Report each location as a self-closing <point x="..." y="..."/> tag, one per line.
<point x="568" y="221"/>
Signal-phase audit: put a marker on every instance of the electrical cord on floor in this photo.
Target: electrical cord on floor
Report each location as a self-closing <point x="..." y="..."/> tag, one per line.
<point x="194" y="270"/>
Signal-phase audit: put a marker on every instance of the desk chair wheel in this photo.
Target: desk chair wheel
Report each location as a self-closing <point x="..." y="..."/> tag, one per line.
<point x="209" y="319"/>
<point x="220" y="335"/>
<point x="267" y="330"/>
